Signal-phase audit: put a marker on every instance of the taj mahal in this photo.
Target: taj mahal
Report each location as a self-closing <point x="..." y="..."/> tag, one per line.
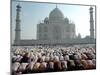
<point x="55" y="29"/>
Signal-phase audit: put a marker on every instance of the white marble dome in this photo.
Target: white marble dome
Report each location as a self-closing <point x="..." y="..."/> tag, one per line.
<point x="56" y="14"/>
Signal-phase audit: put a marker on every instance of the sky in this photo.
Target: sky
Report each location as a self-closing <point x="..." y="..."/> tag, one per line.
<point x="33" y="13"/>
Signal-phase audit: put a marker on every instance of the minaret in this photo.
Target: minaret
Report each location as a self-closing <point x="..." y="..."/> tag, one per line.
<point x="17" y="30"/>
<point x="91" y="24"/>
<point x="56" y="5"/>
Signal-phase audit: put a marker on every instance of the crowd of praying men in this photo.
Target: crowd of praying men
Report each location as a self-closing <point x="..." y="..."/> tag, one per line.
<point x="39" y="59"/>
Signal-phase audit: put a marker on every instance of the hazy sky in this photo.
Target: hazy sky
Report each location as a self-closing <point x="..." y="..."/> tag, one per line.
<point x="32" y="13"/>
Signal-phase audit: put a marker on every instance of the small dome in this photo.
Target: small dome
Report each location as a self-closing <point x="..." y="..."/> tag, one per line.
<point x="66" y="20"/>
<point x="56" y="14"/>
<point x="46" y="19"/>
<point x="18" y="6"/>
